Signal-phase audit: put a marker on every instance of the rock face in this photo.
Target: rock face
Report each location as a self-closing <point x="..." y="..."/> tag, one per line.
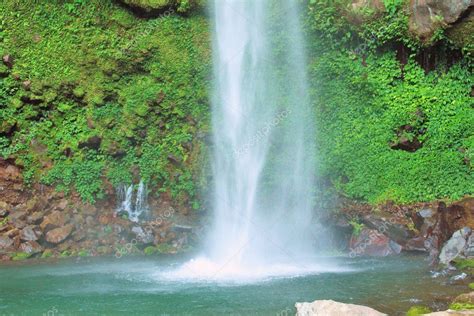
<point x="426" y="16"/>
<point x="58" y="235"/>
<point x="371" y="242"/>
<point x="332" y="308"/>
<point x="54" y="220"/>
<point x="457" y="246"/>
<point x="30" y="233"/>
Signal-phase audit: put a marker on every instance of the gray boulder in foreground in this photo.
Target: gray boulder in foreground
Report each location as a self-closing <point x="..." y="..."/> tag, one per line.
<point x="332" y="308"/>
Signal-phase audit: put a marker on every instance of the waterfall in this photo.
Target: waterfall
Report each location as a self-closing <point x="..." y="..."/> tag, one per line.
<point x="133" y="202"/>
<point x="264" y="150"/>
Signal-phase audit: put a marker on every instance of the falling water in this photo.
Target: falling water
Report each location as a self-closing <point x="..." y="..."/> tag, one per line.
<point x="264" y="151"/>
<point x="131" y="201"/>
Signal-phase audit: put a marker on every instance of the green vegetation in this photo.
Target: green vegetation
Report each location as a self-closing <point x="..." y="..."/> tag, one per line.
<point x="356" y="227"/>
<point x="150" y="250"/>
<point x="20" y="256"/>
<point x="369" y="100"/>
<point x="164" y="248"/>
<point x="97" y="96"/>
<point x="418" y="310"/>
<point x="463" y="264"/>
<point x="461" y="306"/>
<point x="47" y="254"/>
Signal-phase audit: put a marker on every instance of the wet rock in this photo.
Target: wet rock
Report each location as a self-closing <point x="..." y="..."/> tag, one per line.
<point x="62" y="205"/>
<point x="90" y="221"/>
<point x="53" y="220"/>
<point x="31" y="247"/>
<point x="20" y="215"/>
<point x="79" y="235"/>
<point x="466" y="298"/>
<point x="8" y="61"/>
<point x="4" y="208"/>
<point x="455" y="246"/>
<point x="26" y="84"/>
<point x="181" y="228"/>
<point x="17" y="223"/>
<point x="58" y="235"/>
<point x="144" y="236"/>
<point x="416" y="244"/>
<point x="5" y="242"/>
<point x="469" y="249"/>
<point x="427" y="16"/>
<point x="371" y="242"/>
<point x="332" y="308"/>
<point x="30" y="233"/>
<point x="389" y="227"/>
<point x="35" y="218"/>
<point x="149" y="8"/>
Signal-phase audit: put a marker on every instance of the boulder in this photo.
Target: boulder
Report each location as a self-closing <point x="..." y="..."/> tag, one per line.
<point x="35" y="218"/>
<point x="58" y="235"/>
<point x="426" y="16"/>
<point x="466" y="298"/>
<point x="30" y="233"/>
<point x="455" y="245"/>
<point x="144" y="236"/>
<point x="5" y="242"/>
<point x="31" y="247"/>
<point x="371" y="242"/>
<point x="389" y="227"/>
<point x="8" y="61"/>
<point x="469" y="249"/>
<point x="53" y="220"/>
<point x="149" y="7"/>
<point x="416" y="244"/>
<point x="332" y="308"/>
<point x="4" y="208"/>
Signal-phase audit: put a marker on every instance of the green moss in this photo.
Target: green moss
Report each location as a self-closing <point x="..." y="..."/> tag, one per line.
<point x="418" y="310"/>
<point x="471" y="286"/>
<point x="164" y="248"/>
<point x="83" y="253"/>
<point x="65" y="254"/>
<point x="150" y="250"/>
<point x="463" y="264"/>
<point x="461" y="306"/>
<point x="98" y="70"/>
<point x="47" y="254"/>
<point x="20" y="256"/>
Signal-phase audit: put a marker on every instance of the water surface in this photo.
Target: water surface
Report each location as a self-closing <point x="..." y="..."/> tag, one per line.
<point x="145" y="286"/>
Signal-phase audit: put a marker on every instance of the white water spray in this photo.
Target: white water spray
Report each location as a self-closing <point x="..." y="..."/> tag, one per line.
<point x="263" y="159"/>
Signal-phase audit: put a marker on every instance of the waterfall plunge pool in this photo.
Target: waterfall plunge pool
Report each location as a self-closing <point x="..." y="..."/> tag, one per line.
<point x="146" y="286"/>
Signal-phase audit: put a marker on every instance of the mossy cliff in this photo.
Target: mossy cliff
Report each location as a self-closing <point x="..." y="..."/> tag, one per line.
<point x="92" y="95"/>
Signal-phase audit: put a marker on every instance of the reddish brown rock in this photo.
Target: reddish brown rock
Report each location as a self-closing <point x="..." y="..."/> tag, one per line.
<point x="58" y="235"/>
<point x="5" y="242"/>
<point x="31" y="247"/>
<point x="62" y="205"/>
<point x="35" y="218"/>
<point x="8" y="61"/>
<point x="371" y="242"/>
<point x="427" y="16"/>
<point x="53" y="220"/>
<point x="30" y="233"/>
<point x="415" y="244"/>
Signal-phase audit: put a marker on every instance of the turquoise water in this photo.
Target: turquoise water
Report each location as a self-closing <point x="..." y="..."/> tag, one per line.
<point x="141" y="286"/>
